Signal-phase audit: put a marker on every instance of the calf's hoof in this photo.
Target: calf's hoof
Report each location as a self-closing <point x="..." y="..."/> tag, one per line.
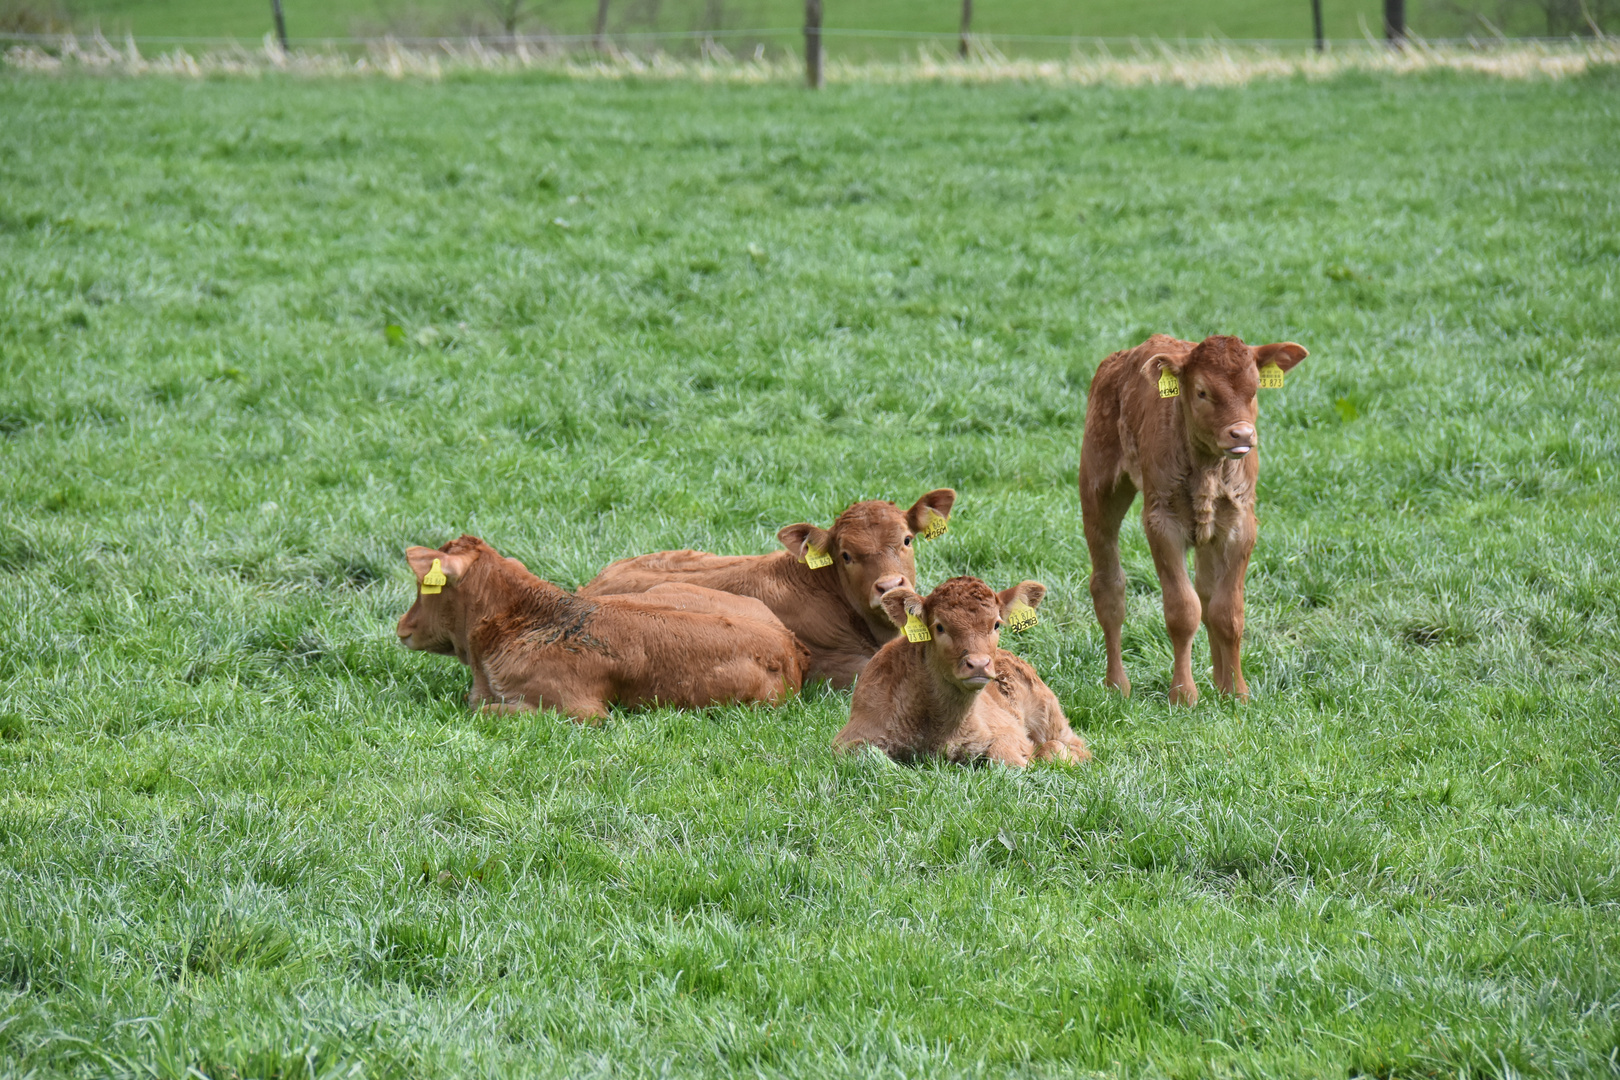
<point x="1120" y="683"/>
<point x="1067" y="753"/>
<point x="1182" y="694"/>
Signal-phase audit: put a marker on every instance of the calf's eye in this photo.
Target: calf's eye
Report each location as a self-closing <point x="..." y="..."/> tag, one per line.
<point x="907" y="541"/>
<point x="940" y="627"/>
<point x="998" y="624"/>
<point x="847" y="558"/>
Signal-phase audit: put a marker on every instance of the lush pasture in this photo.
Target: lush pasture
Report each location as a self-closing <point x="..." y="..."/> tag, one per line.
<point x="243" y="832"/>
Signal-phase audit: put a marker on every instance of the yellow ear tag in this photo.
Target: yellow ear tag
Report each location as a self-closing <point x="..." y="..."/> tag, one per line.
<point x="815" y="558"/>
<point x="1021" y="617"/>
<point x="1169" y="385"/>
<point x="434" y="580"/>
<point x="915" y="630"/>
<point x="936" y="526"/>
<point x="1271" y="377"/>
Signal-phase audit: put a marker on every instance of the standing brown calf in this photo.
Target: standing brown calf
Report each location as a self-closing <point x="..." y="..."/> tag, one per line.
<point x="826" y="587"/>
<point x="1192" y="454"/>
<point x="532" y="645"/>
<point x="959" y="693"/>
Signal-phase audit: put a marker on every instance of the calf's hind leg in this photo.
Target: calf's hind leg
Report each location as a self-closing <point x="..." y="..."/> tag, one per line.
<point x="1102" y="512"/>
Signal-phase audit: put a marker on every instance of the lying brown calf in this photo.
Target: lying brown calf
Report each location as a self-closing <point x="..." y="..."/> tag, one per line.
<point x="1176" y="421"/>
<point x="958" y="693"/>
<point x="826" y="587"/>
<point x="532" y="645"/>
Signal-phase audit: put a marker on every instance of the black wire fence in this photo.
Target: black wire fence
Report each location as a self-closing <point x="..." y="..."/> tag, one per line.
<point x="781" y="53"/>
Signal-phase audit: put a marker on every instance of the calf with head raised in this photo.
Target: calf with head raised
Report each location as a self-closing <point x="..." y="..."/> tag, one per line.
<point x="1176" y="421"/>
<point x="957" y="693"/>
<point x="532" y="645"/>
<point x="827" y="586"/>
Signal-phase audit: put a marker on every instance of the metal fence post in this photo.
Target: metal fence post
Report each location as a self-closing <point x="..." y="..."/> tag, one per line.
<point x="281" y="24"/>
<point x="1395" y="22"/>
<point x="812" y="43"/>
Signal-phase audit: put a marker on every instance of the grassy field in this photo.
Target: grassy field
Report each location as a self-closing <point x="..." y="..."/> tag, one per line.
<point x="1169" y="19"/>
<point x="243" y="832"/>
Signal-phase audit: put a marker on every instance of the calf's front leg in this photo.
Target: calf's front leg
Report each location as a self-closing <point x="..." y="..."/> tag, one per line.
<point x="1182" y="609"/>
<point x="1221" y="571"/>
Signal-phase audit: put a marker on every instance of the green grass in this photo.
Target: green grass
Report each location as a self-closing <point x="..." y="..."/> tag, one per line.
<point x="243" y="832"/>
<point x="1169" y="19"/>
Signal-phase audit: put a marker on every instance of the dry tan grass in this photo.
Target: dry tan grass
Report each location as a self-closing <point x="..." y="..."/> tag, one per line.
<point x="1211" y="64"/>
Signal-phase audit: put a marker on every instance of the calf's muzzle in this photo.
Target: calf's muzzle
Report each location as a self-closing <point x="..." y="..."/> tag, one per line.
<point x="976" y="669"/>
<point x="886" y="584"/>
<point x="1239" y="440"/>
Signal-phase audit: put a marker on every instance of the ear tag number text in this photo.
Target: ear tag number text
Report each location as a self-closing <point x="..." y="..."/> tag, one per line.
<point x="1021" y="617"/>
<point x="915" y="630"/>
<point x="936" y="526"/>
<point x="815" y="558"/>
<point x="1271" y="377"/>
<point x="434" y="580"/>
<point x="1169" y="385"/>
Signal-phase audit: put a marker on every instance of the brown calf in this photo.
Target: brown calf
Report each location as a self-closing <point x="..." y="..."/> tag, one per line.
<point x="827" y="587"/>
<point x="958" y="694"/>
<point x="532" y="645"/>
<point x="1176" y="421"/>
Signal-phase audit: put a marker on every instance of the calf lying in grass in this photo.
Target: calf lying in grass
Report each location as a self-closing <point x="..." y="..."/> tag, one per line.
<point x="532" y="645"/>
<point x="958" y="693"/>
<point x="828" y="585"/>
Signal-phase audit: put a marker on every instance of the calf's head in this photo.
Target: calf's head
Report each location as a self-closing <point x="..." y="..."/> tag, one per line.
<point x="1218" y="380"/>
<point x="964" y="618"/>
<point x="430" y="624"/>
<point x="873" y="546"/>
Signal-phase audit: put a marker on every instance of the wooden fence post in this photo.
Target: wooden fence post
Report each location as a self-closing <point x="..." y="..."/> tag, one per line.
<point x="1395" y="22"/>
<point x="600" y="41"/>
<point x="281" y="24"/>
<point x="812" y="43"/>
<point x="967" y="28"/>
<point x="1316" y="22"/>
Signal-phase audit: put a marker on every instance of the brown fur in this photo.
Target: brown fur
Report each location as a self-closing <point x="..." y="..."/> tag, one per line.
<point x="836" y="610"/>
<point x="960" y="695"/>
<point x="1197" y="491"/>
<point x="532" y="645"/>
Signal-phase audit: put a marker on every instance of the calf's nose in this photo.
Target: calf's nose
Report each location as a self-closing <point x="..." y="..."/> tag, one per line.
<point x="883" y="585"/>
<point x="977" y="665"/>
<point x="1241" y="438"/>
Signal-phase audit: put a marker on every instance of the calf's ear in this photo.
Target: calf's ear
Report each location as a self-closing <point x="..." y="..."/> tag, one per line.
<point x="421" y="560"/>
<point x="800" y="538"/>
<point x="1285" y="354"/>
<point x="936" y="503"/>
<point x="900" y="603"/>
<point x="1159" y="363"/>
<point x="1029" y="592"/>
